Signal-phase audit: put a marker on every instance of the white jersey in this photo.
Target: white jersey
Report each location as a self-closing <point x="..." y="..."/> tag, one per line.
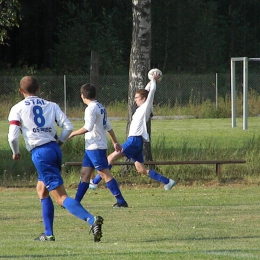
<point x="142" y="114"/>
<point x="97" y="125"/>
<point x="37" y="119"/>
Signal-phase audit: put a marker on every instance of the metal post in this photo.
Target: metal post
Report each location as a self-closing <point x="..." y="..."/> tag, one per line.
<point x="233" y="93"/>
<point x="216" y="91"/>
<point x="245" y="93"/>
<point x="65" y="95"/>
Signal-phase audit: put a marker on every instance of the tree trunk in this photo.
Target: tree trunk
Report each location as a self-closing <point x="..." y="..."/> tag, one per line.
<point x="140" y="59"/>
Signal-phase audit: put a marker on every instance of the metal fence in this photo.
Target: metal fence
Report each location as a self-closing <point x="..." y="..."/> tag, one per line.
<point x="181" y="88"/>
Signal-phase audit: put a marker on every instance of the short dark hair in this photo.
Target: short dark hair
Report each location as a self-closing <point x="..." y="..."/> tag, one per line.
<point x="29" y="84"/>
<point x="143" y="93"/>
<point x="88" y="90"/>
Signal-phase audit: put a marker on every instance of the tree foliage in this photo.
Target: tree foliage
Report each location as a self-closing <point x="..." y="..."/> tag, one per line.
<point x="79" y="32"/>
<point x="10" y="16"/>
<point x="187" y="35"/>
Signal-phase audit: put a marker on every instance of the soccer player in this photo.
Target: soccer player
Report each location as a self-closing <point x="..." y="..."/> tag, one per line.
<point x="37" y="119"/>
<point x="133" y="147"/>
<point x="95" y="128"/>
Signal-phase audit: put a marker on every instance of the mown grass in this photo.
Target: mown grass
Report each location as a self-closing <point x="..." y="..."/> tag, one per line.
<point x="185" y="223"/>
<point x="206" y="220"/>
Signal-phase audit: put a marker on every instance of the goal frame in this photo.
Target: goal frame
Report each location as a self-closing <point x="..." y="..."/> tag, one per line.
<point x="245" y="89"/>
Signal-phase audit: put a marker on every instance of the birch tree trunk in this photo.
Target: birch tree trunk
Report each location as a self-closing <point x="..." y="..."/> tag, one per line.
<point x="140" y="59"/>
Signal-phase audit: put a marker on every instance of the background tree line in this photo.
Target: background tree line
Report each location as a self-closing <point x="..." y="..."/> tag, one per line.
<point x="187" y="35"/>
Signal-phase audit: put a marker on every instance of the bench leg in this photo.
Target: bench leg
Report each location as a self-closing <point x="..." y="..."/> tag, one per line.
<point x="218" y="170"/>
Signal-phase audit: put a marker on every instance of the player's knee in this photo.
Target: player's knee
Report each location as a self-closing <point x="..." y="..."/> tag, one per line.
<point x="142" y="171"/>
<point x="59" y="200"/>
<point x="85" y="177"/>
<point x="110" y="160"/>
<point x="42" y="192"/>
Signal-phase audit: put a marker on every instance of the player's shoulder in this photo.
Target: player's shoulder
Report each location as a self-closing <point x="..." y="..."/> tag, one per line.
<point x="95" y="105"/>
<point x="99" y="105"/>
<point x="51" y="103"/>
<point x="18" y="105"/>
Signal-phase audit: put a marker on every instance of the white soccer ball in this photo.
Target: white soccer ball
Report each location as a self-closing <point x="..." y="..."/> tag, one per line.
<point x="151" y="73"/>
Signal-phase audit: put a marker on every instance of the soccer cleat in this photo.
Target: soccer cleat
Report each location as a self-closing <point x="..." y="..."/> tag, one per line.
<point x="96" y="228"/>
<point x="169" y="185"/>
<point x="120" y="205"/>
<point x="43" y="237"/>
<point x="92" y="185"/>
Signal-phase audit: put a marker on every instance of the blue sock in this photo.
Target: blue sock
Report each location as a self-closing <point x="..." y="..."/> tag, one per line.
<point x="82" y="188"/>
<point x="47" y="215"/>
<point x="113" y="187"/>
<point x="75" y="208"/>
<point x="158" y="177"/>
<point x="97" y="179"/>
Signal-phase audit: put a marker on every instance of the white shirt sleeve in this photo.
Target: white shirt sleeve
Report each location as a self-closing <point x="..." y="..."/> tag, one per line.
<point x="148" y="86"/>
<point x="64" y="123"/>
<point x="90" y="117"/>
<point x="13" y="138"/>
<point x="148" y="104"/>
<point x="108" y="125"/>
<point x="66" y="130"/>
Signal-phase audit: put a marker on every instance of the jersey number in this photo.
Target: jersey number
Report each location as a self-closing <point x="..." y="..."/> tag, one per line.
<point x="103" y="111"/>
<point x="39" y="119"/>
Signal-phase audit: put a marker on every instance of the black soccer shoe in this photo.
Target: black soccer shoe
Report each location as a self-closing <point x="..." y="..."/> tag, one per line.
<point x="96" y="228"/>
<point x="43" y="238"/>
<point x="120" y="205"/>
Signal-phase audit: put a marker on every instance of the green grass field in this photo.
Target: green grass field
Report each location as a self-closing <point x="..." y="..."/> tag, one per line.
<point x="205" y="220"/>
<point x="185" y="139"/>
<point x="216" y="222"/>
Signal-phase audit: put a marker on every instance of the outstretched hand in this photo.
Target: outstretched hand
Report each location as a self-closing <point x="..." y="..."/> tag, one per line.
<point x="156" y="76"/>
<point x="70" y="136"/>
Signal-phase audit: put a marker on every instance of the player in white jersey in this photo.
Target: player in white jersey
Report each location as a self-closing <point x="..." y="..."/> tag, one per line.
<point x="96" y="127"/>
<point x="133" y="147"/>
<point x="37" y="119"/>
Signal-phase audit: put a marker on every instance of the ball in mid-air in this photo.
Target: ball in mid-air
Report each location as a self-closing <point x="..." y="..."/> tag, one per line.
<point x="151" y="73"/>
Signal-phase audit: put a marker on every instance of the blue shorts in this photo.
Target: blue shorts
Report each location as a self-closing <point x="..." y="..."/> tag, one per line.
<point x="47" y="160"/>
<point x="96" y="159"/>
<point x="133" y="148"/>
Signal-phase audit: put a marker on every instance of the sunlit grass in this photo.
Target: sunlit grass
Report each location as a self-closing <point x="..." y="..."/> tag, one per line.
<point x="193" y="108"/>
<point x="188" y="223"/>
<point x="171" y="140"/>
<point x="193" y="132"/>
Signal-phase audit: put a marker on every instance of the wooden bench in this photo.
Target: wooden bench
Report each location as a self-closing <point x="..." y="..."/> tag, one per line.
<point x="218" y="163"/>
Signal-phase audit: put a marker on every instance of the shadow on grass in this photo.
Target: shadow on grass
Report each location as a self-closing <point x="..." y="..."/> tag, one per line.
<point x="36" y="256"/>
<point x="218" y="238"/>
<point x="8" y="218"/>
